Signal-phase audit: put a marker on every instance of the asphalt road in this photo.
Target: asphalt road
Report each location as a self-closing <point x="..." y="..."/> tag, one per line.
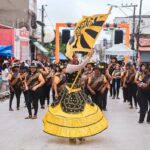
<point x="124" y="133"/>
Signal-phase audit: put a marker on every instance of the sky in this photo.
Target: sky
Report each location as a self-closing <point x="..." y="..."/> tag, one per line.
<point x="73" y="10"/>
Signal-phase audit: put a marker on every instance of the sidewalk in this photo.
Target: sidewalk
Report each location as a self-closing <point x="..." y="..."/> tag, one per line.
<point x="4" y="90"/>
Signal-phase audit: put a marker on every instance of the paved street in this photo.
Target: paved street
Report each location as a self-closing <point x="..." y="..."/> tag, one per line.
<point x="124" y="132"/>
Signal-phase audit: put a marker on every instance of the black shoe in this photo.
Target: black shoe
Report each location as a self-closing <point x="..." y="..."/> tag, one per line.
<point x="10" y="109"/>
<point x="81" y="139"/>
<point x="18" y="108"/>
<point x="104" y="109"/>
<point x="148" y="122"/>
<point x="29" y="117"/>
<point x="140" y="121"/>
<point x="42" y="107"/>
<point x="72" y="141"/>
<point x="34" y="117"/>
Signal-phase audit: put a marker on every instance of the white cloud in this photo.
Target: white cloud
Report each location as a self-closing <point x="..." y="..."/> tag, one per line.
<point x="73" y="10"/>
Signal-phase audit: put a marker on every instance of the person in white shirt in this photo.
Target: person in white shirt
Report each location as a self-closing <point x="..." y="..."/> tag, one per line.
<point x="5" y="72"/>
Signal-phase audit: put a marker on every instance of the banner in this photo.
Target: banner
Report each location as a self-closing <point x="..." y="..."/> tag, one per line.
<point x="86" y="33"/>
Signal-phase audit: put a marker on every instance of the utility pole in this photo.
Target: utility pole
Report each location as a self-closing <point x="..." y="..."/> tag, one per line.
<point x="138" y="28"/>
<point x="133" y="25"/>
<point x="42" y="31"/>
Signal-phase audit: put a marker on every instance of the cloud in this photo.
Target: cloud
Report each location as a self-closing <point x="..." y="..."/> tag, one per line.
<point x="73" y="10"/>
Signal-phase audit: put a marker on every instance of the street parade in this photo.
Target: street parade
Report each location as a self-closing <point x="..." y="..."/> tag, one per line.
<point x="75" y="91"/>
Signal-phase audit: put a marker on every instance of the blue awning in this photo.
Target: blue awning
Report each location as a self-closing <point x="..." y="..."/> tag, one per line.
<point x="6" y="51"/>
<point x="61" y="57"/>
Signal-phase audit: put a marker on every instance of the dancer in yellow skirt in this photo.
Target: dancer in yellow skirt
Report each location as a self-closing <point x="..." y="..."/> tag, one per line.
<point x="73" y="115"/>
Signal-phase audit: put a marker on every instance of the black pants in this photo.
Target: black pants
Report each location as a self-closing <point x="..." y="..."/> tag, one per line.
<point x="32" y="98"/>
<point x="105" y="99"/>
<point x="41" y="92"/>
<point x="25" y="95"/>
<point x="144" y="103"/>
<point x="132" y="90"/>
<point x="98" y="99"/>
<point x="116" y="87"/>
<point x="111" y="89"/>
<point x="47" y="89"/>
<point x="125" y="94"/>
<point x="17" y="93"/>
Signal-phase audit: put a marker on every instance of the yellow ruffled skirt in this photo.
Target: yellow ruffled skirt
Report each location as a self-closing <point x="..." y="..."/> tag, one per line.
<point x="84" y="124"/>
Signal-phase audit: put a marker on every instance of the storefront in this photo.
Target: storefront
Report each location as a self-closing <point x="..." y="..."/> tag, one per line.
<point x="18" y="39"/>
<point x="21" y="44"/>
<point x="144" y="49"/>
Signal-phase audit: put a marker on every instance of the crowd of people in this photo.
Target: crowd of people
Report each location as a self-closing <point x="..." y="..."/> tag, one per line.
<point x="37" y="80"/>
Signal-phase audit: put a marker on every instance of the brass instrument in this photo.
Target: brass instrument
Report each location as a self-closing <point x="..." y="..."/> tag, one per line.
<point x="103" y="87"/>
<point x="98" y="81"/>
<point x="117" y="74"/>
<point x="131" y="77"/>
<point x="125" y="79"/>
<point x="23" y="81"/>
<point x="15" y="80"/>
<point x="30" y="81"/>
<point x="33" y="85"/>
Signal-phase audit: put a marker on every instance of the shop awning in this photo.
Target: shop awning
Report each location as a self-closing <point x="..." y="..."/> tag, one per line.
<point x="40" y="47"/>
<point x="61" y="57"/>
<point x="6" y="51"/>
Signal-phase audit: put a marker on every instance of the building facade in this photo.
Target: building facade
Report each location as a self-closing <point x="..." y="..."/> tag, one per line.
<point x="19" y="13"/>
<point x="144" y="41"/>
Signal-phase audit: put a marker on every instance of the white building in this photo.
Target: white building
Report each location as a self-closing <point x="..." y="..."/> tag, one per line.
<point x="144" y="46"/>
<point x="145" y="23"/>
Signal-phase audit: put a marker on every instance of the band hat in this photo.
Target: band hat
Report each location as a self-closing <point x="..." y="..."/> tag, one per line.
<point x="15" y="65"/>
<point x="33" y="65"/>
<point x="96" y="68"/>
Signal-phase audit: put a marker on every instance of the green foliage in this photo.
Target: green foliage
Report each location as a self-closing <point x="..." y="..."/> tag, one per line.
<point x="63" y="48"/>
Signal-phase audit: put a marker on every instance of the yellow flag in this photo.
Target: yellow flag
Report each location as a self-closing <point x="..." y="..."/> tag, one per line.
<point x="86" y="33"/>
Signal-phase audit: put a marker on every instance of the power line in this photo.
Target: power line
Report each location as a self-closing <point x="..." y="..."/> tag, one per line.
<point x="49" y="20"/>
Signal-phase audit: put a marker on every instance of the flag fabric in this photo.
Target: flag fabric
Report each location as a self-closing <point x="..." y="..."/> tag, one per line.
<point x="86" y="33"/>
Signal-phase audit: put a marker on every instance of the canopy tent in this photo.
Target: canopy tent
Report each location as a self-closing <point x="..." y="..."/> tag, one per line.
<point x="61" y="57"/>
<point x="6" y="51"/>
<point x="120" y="49"/>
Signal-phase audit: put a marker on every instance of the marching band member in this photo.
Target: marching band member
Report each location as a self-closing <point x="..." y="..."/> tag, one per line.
<point x="132" y="87"/>
<point x="97" y="86"/>
<point x="44" y="72"/>
<point x="14" y="82"/>
<point x="116" y="75"/>
<point x="111" y="68"/>
<point x="48" y="84"/>
<point x="124" y="76"/>
<point x="86" y="75"/>
<point x="145" y="96"/>
<point x="34" y="81"/>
